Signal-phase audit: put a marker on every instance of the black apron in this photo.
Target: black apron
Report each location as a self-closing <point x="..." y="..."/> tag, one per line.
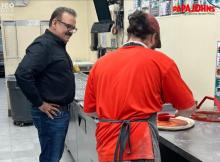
<point x="124" y="136"/>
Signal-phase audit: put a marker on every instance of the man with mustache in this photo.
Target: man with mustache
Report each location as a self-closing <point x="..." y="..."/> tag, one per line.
<point x="45" y="77"/>
<point x="125" y="90"/>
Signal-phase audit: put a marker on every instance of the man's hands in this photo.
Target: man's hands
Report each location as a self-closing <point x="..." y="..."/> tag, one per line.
<point x="187" y="112"/>
<point x="50" y="109"/>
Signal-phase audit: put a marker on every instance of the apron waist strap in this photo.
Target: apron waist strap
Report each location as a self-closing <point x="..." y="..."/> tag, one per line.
<point x="124" y="136"/>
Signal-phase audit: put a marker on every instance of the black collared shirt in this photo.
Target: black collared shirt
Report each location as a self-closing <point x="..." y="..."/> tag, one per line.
<point x="45" y="73"/>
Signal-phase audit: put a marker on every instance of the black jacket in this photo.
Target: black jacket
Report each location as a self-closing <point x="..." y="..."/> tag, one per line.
<point x="45" y="73"/>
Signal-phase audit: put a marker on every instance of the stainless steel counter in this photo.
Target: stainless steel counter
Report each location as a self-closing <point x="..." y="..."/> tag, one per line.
<point x="200" y="143"/>
<point x="80" y="139"/>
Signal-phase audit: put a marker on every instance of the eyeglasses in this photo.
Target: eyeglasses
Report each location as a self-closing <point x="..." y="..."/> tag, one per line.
<point x="68" y="26"/>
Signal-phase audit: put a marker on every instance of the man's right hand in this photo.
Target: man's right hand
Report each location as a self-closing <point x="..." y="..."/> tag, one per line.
<point x="50" y="109"/>
<point x="187" y="112"/>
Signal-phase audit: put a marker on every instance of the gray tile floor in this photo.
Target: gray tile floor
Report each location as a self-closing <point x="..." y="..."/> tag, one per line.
<point x="18" y="144"/>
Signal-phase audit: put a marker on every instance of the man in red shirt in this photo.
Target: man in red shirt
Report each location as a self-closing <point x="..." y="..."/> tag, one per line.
<point x="127" y="87"/>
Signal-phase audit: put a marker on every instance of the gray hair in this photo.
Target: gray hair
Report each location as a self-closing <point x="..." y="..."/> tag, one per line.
<point x="58" y="12"/>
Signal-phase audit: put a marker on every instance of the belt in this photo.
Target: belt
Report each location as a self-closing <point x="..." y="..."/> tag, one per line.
<point x="64" y="108"/>
<point x="124" y="136"/>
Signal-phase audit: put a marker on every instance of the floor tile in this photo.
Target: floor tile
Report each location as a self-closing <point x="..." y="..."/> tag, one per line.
<point x="7" y="160"/>
<point x="18" y="144"/>
<point x="5" y="155"/>
<point x="25" y="159"/>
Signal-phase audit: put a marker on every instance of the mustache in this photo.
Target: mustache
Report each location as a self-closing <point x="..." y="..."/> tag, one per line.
<point x="69" y="33"/>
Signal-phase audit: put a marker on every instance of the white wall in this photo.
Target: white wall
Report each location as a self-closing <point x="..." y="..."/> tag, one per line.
<point x="191" y="40"/>
<point x="78" y="46"/>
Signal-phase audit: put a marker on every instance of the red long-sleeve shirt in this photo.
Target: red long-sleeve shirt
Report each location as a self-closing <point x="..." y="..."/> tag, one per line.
<point x="131" y="83"/>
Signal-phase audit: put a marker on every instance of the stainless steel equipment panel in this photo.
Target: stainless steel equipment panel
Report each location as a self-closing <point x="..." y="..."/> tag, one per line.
<point x="80" y="140"/>
<point x="80" y="80"/>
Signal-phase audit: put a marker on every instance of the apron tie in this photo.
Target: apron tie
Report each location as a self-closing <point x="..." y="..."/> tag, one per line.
<point x="124" y="136"/>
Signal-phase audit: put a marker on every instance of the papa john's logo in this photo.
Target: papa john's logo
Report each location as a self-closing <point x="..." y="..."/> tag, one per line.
<point x="202" y="7"/>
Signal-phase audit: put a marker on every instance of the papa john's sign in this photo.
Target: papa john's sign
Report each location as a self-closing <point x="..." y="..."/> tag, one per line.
<point x="208" y="8"/>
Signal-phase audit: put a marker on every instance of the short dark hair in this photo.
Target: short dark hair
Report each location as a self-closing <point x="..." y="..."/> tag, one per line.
<point x="139" y="25"/>
<point x="58" y="12"/>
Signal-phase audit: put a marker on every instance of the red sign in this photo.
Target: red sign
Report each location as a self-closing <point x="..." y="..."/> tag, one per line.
<point x="194" y="8"/>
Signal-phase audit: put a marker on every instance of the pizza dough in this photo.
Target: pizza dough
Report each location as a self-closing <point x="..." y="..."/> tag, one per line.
<point x="173" y="122"/>
<point x="208" y="116"/>
<point x="177" y="123"/>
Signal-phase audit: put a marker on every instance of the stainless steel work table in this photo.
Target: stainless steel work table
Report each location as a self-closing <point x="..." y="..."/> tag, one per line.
<point x="200" y="143"/>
